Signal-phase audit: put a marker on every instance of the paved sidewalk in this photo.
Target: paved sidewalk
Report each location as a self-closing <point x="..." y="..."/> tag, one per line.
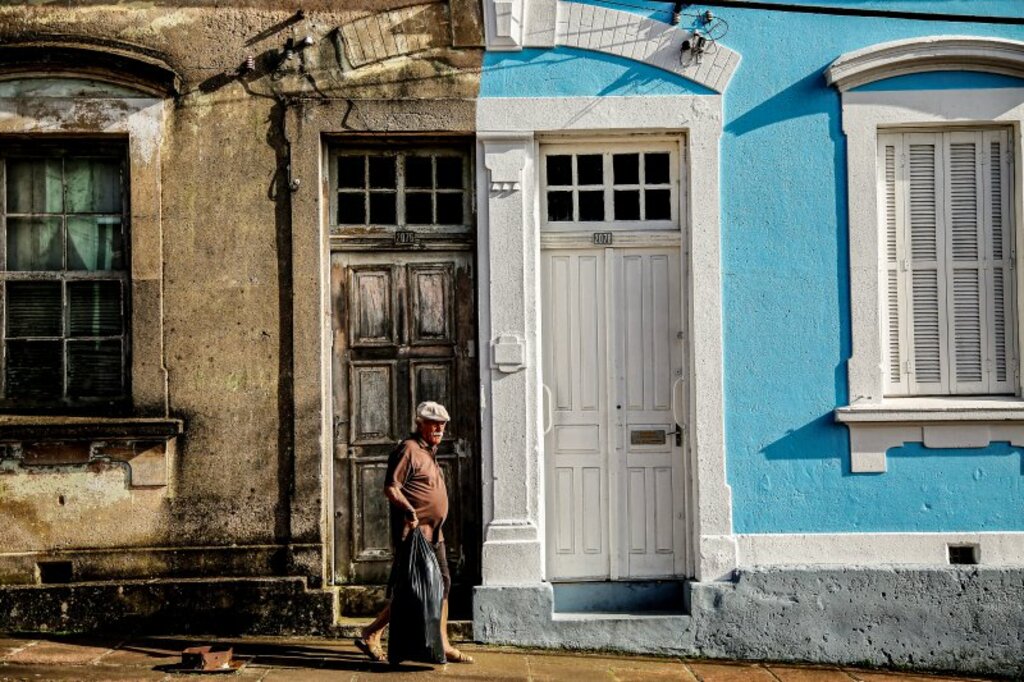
<point x="91" y="659"/>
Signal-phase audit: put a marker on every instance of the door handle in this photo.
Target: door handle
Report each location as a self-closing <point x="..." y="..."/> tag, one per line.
<point x="675" y="416"/>
<point x="550" y="412"/>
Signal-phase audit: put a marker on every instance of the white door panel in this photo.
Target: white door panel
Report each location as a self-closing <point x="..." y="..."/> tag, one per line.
<point x="576" y="443"/>
<point x="612" y="355"/>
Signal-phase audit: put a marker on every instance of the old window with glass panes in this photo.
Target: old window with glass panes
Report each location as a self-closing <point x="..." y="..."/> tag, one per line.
<point x="404" y="188"/>
<point x="65" y="275"/>
<point x="610" y="186"/>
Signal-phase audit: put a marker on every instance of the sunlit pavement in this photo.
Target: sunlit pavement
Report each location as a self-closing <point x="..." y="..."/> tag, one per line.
<point x="91" y="658"/>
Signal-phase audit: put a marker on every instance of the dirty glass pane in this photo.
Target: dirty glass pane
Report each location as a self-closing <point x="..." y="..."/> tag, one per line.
<point x="449" y="208"/>
<point x="34" y="186"/>
<point x="34" y="369"/>
<point x="626" y="168"/>
<point x="627" y="205"/>
<point x="592" y="205"/>
<point x="34" y="309"/>
<point x="94" y="243"/>
<point x="34" y="244"/>
<point x="449" y="172"/>
<point x="418" y="208"/>
<point x="658" y="204"/>
<point x="94" y="308"/>
<point x="382" y="208"/>
<point x="352" y="171"/>
<point x="559" y="170"/>
<point x="94" y="369"/>
<point x="351" y="208"/>
<point x="382" y="172"/>
<point x="94" y="185"/>
<point x="559" y="205"/>
<point x="656" y="168"/>
<point x="590" y="169"/>
<point x="419" y="173"/>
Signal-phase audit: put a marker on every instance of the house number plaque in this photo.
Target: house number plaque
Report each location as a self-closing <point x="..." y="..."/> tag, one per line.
<point x="603" y="238"/>
<point x="405" y="237"/>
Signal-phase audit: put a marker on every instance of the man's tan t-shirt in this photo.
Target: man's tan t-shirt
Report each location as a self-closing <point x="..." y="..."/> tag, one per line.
<point x="414" y="470"/>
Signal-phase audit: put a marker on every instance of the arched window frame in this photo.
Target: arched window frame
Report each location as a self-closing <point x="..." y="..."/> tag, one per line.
<point x="877" y="422"/>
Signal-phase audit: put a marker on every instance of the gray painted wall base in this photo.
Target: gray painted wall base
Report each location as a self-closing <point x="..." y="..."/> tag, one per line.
<point x="966" y="620"/>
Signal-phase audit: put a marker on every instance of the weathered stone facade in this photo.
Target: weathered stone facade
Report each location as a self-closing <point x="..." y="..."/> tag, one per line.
<point x="228" y="260"/>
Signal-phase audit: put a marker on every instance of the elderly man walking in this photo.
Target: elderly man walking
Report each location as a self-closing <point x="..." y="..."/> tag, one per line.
<point x="414" y="486"/>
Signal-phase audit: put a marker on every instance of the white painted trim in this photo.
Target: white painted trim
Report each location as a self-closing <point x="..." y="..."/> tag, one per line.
<point x="600" y="29"/>
<point x="864" y="114"/>
<point x="934" y="409"/>
<point x="502" y="124"/>
<point x="876" y="549"/>
<point x="931" y="53"/>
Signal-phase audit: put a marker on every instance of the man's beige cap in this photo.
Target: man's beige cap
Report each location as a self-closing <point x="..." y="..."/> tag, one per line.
<point x="431" y="411"/>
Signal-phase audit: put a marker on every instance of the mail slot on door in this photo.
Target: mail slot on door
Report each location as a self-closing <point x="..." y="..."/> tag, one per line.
<point x="647" y="437"/>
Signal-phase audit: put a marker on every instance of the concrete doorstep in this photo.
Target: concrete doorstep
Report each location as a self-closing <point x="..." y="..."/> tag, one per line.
<point x="92" y="658"/>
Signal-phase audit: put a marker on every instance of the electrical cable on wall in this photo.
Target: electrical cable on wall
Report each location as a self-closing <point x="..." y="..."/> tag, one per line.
<point x="705" y="32"/>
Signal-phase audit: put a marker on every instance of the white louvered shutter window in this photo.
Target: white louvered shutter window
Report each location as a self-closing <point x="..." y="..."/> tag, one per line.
<point x="948" y="306"/>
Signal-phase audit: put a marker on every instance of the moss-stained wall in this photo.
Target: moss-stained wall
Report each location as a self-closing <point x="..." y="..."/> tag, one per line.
<point x="227" y="313"/>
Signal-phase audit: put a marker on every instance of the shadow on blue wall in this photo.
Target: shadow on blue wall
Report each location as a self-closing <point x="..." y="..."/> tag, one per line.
<point x="813" y="440"/>
<point x="810" y="96"/>
<point x="571" y="72"/>
<point x="804" y="97"/>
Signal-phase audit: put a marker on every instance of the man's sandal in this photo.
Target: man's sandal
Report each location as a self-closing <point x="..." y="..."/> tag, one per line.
<point x="456" y="656"/>
<point x="373" y="651"/>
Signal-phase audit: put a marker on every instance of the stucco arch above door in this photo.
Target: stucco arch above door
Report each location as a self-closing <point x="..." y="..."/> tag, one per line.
<point x="931" y="53"/>
<point x="515" y="24"/>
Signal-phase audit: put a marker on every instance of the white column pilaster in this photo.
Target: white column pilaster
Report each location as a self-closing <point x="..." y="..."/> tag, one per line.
<point x="508" y="254"/>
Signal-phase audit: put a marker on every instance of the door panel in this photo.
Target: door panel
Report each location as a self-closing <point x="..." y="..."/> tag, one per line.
<point x="613" y="354"/>
<point x="649" y="349"/>
<point x="575" y="375"/>
<point x="404" y="327"/>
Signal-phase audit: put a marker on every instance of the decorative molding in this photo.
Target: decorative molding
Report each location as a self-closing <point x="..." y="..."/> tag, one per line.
<point x="515" y="24"/>
<point x="508" y="353"/>
<point x="655" y="43"/>
<point x="875" y="549"/>
<point x="505" y="163"/>
<point x="392" y="33"/>
<point x="504" y="24"/>
<point x="552" y="239"/>
<point x="931" y="53"/>
<point x="115" y="62"/>
<point x="875" y="428"/>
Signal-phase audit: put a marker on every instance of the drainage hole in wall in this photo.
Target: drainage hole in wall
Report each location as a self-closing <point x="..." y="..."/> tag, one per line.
<point x="51" y="572"/>
<point x="962" y="554"/>
<point x="60" y="500"/>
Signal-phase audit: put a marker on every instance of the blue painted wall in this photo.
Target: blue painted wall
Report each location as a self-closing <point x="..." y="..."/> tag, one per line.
<point x="785" y="271"/>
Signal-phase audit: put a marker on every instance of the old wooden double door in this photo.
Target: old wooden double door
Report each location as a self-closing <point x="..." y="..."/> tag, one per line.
<point x="404" y="332"/>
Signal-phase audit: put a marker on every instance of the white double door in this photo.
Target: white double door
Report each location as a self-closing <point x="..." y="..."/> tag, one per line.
<point x="613" y="348"/>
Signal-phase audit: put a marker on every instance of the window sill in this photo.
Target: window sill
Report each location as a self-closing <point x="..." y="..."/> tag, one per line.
<point x="46" y="428"/>
<point x="143" y="447"/>
<point x="947" y="423"/>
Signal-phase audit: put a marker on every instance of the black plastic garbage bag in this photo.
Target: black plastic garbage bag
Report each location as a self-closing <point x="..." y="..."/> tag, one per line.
<point x="417" y="592"/>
